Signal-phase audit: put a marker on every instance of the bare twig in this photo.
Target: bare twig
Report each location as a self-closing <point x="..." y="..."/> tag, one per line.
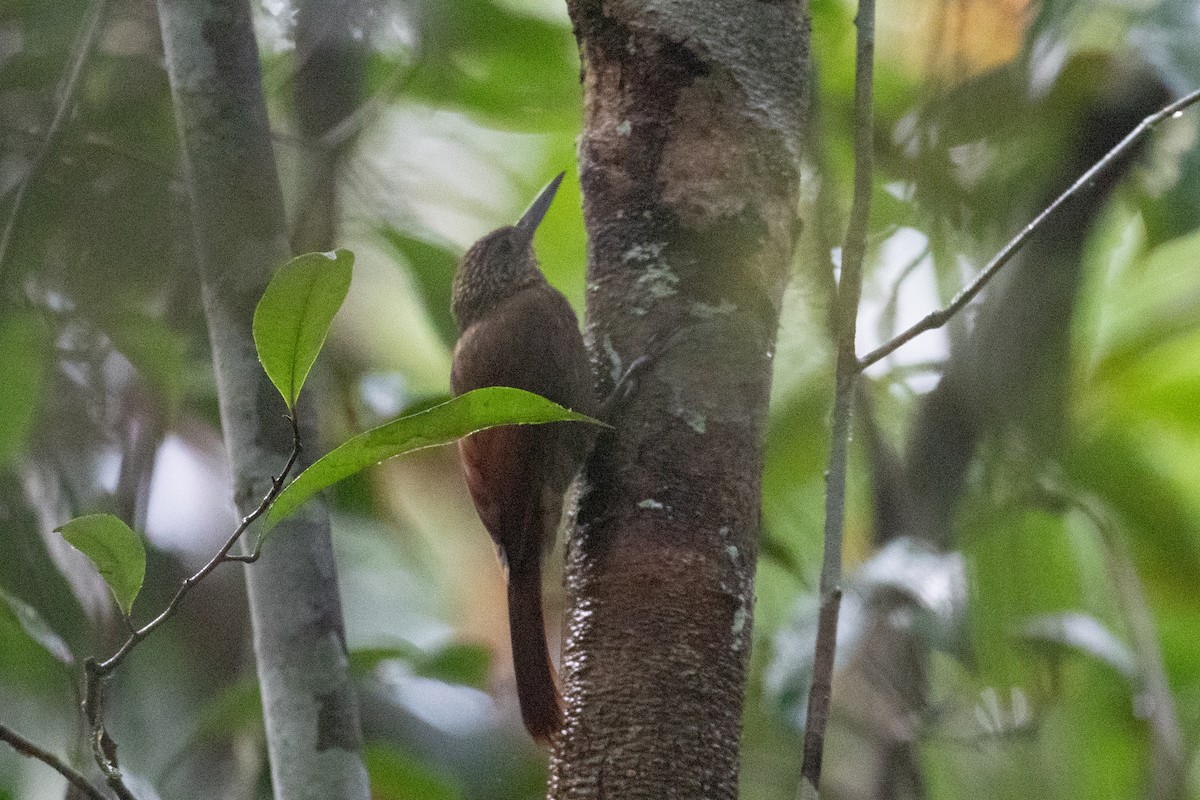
<point x="939" y="318"/>
<point x="847" y="371"/>
<point x="67" y="90"/>
<point x="27" y="748"/>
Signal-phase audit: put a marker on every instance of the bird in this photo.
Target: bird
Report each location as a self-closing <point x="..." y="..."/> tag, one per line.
<point x="516" y="330"/>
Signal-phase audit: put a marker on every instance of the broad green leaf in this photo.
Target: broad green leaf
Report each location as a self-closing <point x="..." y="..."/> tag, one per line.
<point x="509" y="69"/>
<point x="22" y="366"/>
<point x="115" y="549"/>
<point x="442" y="424"/>
<point x="396" y="775"/>
<point x="294" y="314"/>
<point x="35" y="627"/>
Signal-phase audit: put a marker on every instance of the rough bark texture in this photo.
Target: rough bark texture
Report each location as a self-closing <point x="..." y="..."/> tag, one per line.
<point x="690" y="171"/>
<point x="310" y="709"/>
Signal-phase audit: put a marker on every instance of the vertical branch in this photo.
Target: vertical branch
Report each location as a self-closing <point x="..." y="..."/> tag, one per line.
<point x="847" y="371"/>
<point x="310" y="710"/>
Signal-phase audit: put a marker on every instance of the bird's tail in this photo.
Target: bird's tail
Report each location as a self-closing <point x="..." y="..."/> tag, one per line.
<point x="537" y="685"/>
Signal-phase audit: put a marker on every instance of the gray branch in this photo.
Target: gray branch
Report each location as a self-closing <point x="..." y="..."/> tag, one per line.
<point x="310" y="709"/>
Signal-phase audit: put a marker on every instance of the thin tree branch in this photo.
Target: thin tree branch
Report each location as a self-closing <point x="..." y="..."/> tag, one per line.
<point x="67" y="90"/>
<point x="939" y="318"/>
<point x="847" y="371"/>
<point x="112" y="662"/>
<point x="95" y="672"/>
<point x="27" y="748"/>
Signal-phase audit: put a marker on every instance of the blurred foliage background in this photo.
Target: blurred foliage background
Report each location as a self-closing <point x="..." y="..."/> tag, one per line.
<point x="1023" y="609"/>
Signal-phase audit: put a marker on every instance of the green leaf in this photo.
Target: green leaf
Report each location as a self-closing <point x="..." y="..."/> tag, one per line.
<point x="115" y="549"/>
<point x="396" y="775"/>
<point x="294" y="314"/>
<point x="30" y="621"/>
<point x="458" y="662"/>
<point x="432" y="269"/>
<point x="22" y="365"/>
<point x="442" y="424"/>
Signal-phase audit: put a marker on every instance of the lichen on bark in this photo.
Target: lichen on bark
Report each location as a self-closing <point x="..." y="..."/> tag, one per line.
<point x="690" y="169"/>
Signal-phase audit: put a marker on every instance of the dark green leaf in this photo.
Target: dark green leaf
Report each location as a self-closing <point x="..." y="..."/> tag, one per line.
<point x="32" y="623"/>
<point x="22" y="365"/>
<point x="294" y="315"/>
<point x="509" y="69"/>
<point x="115" y="549"/>
<point x="366" y="659"/>
<point x="432" y="269"/>
<point x="442" y="424"/>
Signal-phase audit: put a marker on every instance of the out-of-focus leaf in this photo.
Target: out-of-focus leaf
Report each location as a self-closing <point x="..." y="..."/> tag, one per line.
<point x="458" y="662"/>
<point x="396" y="775"/>
<point x="22" y="371"/>
<point x="32" y="623"/>
<point x="432" y="269"/>
<point x="236" y="707"/>
<point x="464" y="664"/>
<point x="365" y="659"/>
<point x="115" y="549"/>
<point x="1118" y="465"/>
<point x="1083" y="633"/>
<point x="442" y="424"/>
<point x="1153" y="303"/>
<point x="293" y="317"/>
<point x="1021" y="565"/>
<point x="509" y="69"/>
<point x="156" y="352"/>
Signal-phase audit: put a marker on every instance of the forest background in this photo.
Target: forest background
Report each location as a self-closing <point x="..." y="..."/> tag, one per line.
<point x="1023" y="483"/>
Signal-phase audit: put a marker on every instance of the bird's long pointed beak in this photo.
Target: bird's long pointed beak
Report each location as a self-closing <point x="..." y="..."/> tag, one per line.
<point x="532" y="218"/>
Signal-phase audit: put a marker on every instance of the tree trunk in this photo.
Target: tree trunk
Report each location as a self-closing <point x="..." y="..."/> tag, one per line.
<point x="690" y="169"/>
<point x="310" y="709"/>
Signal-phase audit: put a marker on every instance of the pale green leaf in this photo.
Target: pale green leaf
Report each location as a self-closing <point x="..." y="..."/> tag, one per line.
<point x="115" y="549"/>
<point x="293" y="317"/>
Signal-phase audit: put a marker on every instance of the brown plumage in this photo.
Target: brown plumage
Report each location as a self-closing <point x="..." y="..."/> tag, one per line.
<point x="516" y="330"/>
